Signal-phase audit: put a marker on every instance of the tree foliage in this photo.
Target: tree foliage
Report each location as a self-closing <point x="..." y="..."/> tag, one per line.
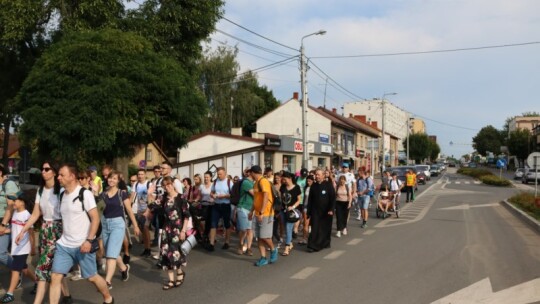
<point x="434" y="150"/>
<point x="97" y="94"/>
<point x="519" y="143"/>
<point x="488" y="139"/>
<point x="421" y="147"/>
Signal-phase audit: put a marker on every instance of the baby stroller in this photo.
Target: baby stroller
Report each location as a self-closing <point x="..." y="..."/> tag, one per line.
<point x="387" y="197"/>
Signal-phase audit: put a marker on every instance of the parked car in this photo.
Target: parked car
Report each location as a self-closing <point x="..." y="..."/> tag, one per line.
<point x="425" y="170"/>
<point x="401" y="171"/>
<point x="451" y="164"/>
<point x="434" y="170"/>
<point x="519" y="173"/>
<point x="530" y="175"/>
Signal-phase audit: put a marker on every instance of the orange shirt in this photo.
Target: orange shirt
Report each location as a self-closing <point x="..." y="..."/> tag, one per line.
<point x="261" y="186"/>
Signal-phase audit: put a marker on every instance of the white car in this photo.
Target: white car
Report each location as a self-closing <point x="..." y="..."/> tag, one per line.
<point x="519" y="173"/>
<point x="425" y="169"/>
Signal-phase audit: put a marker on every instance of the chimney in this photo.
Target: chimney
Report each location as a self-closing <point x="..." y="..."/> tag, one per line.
<point x="361" y="118"/>
<point x="374" y="124"/>
<point x="334" y="110"/>
<point x="295" y="95"/>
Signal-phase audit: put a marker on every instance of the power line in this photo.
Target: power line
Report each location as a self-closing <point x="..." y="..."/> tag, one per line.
<point x="334" y="86"/>
<point x="254" y="45"/>
<point x="332" y="79"/>
<point x="444" y="123"/>
<point x="259" y="35"/>
<point x="430" y="52"/>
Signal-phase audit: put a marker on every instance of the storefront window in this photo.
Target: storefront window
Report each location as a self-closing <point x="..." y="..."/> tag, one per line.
<point x="268" y="157"/>
<point x="321" y="162"/>
<point x="289" y="163"/>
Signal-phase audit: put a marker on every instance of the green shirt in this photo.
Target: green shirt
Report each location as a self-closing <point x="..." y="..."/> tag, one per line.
<point x="246" y="199"/>
<point x="10" y="188"/>
<point x="301" y="182"/>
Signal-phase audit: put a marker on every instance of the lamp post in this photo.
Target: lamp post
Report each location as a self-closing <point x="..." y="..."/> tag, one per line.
<point x="303" y="80"/>
<point x="383" y="130"/>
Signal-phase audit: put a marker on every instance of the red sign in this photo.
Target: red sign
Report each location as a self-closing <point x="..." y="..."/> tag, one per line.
<point x="298" y="147"/>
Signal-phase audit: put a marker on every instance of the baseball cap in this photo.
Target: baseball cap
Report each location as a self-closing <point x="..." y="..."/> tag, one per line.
<point x="256" y="169"/>
<point x="92" y="168"/>
<point x="345" y="165"/>
<point x="304" y="172"/>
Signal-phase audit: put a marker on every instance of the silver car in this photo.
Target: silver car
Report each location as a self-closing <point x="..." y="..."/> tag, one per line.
<point x="519" y="173"/>
<point x="425" y="169"/>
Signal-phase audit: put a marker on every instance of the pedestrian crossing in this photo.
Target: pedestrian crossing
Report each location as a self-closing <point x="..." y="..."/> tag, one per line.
<point x="459" y="182"/>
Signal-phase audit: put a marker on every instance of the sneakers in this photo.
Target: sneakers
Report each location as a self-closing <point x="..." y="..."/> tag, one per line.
<point x="109" y="285"/>
<point x="249" y="252"/>
<point x="364" y="225"/>
<point x="273" y="255"/>
<point x="338" y="234"/>
<point x="146" y="253"/>
<point x="125" y="273"/>
<point x="209" y="247"/>
<point x="344" y="231"/>
<point x="359" y="217"/>
<point x="126" y="259"/>
<point x="261" y="262"/>
<point x="225" y="246"/>
<point x="155" y="256"/>
<point x="7" y="298"/>
<point x="76" y="275"/>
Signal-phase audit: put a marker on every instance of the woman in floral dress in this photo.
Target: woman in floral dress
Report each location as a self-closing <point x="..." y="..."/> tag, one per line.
<point x="174" y="233"/>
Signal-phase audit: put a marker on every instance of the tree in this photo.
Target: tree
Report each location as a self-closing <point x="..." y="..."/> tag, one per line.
<point x="519" y="144"/>
<point x="98" y="94"/>
<point x="487" y="139"/>
<point x="434" y="150"/>
<point x="420" y="147"/>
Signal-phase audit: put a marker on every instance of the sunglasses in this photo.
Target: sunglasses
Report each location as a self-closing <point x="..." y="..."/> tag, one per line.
<point x="82" y="177"/>
<point x="46" y="169"/>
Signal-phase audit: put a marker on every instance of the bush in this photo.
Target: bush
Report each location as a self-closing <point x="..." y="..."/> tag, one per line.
<point x="495" y="181"/>
<point x="525" y="201"/>
<point x="476" y="173"/>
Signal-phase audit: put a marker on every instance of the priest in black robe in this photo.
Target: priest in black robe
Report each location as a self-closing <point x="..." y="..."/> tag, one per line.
<point x="320" y="211"/>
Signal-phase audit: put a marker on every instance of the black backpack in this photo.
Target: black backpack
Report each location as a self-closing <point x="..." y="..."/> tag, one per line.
<point x="236" y="192"/>
<point x="80" y="197"/>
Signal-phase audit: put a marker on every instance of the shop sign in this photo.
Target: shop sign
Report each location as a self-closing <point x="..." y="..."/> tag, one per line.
<point x="324" y="138"/>
<point x="326" y="149"/>
<point x="298" y="147"/>
<point x="272" y="142"/>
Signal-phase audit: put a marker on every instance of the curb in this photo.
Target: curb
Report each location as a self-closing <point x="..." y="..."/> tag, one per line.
<point x="523" y="216"/>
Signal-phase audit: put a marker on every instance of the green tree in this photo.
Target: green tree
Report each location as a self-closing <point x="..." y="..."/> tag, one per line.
<point x="420" y="147"/>
<point x="488" y="139"/>
<point x="434" y="150"/>
<point x="519" y="144"/>
<point x="93" y="96"/>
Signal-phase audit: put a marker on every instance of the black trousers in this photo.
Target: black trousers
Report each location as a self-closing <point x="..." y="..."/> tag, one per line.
<point x="410" y="192"/>
<point x="342" y="214"/>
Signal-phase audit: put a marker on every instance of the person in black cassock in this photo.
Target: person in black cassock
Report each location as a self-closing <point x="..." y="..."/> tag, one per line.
<point x="321" y="205"/>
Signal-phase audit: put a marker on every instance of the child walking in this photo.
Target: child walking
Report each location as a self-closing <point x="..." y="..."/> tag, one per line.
<point x="20" y="251"/>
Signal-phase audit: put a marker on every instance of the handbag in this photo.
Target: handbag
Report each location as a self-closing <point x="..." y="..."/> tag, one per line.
<point x="188" y="244"/>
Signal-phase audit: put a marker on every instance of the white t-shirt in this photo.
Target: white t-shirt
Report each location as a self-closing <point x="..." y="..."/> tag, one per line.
<point x="76" y="223"/>
<point x="141" y="196"/>
<point x="49" y="205"/>
<point x="18" y="221"/>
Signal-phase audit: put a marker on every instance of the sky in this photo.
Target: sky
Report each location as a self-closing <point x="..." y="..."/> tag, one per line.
<point x="455" y="93"/>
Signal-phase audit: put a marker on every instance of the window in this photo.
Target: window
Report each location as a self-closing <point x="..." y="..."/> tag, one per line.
<point x="289" y="163"/>
<point x="148" y="155"/>
<point x="321" y="162"/>
<point x="268" y="157"/>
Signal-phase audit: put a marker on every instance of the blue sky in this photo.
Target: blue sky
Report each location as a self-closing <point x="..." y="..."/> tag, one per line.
<point x="456" y="93"/>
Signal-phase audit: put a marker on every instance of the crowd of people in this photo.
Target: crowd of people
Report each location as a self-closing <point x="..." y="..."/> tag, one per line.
<point x="85" y="221"/>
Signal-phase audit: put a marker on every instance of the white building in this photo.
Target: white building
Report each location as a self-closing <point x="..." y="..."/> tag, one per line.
<point x="395" y="118"/>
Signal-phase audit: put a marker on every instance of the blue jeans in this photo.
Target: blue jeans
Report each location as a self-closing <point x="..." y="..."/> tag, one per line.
<point x="5" y="258"/>
<point x="113" y="232"/>
<point x="288" y="230"/>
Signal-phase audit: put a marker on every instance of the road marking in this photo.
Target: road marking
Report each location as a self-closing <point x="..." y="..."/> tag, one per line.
<point x="457" y="183"/>
<point x="482" y="292"/>
<point x="477" y="182"/>
<point x="264" y="299"/>
<point x="467" y="182"/>
<point x="369" y="232"/>
<point x="467" y="206"/>
<point x="354" y="242"/>
<point x="334" y="255"/>
<point x="305" y="273"/>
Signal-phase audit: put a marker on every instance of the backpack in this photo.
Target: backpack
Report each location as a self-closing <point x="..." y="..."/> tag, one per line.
<point x="80" y="197"/>
<point x="4" y="183"/>
<point x="235" y="192"/>
<point x="277" y="204"/>
<point x="371" y="188"/>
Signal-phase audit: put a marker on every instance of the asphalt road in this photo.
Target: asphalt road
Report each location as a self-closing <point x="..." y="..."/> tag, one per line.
<point x="455" y="239"/>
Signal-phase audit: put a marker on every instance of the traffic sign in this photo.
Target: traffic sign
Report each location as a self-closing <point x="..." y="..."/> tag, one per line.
<point x="142" y="163"/>
<point x="501" y="163"/>
<point x="531" y="160"/>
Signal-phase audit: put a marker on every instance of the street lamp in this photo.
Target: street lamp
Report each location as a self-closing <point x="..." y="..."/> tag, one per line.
<point x="303" y="80"/>
<point x="383" y="130"/>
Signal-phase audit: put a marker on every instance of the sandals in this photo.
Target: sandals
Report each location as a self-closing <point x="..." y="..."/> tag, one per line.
<point x="287" y="250"/>
<point x="169" y="285"/>
<point x="178" y="281"/>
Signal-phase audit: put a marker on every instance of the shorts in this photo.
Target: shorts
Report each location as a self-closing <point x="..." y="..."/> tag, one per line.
<point x="242" y="221"/>
<point x="19" y="262"/>
<point x="363" y="201"/>
<point x="114" y="230"/>
<point x="142" y="220"/>
<point x="265" y="229"/>
<point x="221" y="211"/>
<point x="65" y="258"/>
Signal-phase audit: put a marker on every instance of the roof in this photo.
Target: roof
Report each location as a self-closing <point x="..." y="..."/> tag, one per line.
<point x="226" y="135"/>
<point x="334" y="118"/>
<point x="351" y="122"/>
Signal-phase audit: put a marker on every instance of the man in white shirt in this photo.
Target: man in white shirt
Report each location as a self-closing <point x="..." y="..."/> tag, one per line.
<point x="80" y="225"/>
